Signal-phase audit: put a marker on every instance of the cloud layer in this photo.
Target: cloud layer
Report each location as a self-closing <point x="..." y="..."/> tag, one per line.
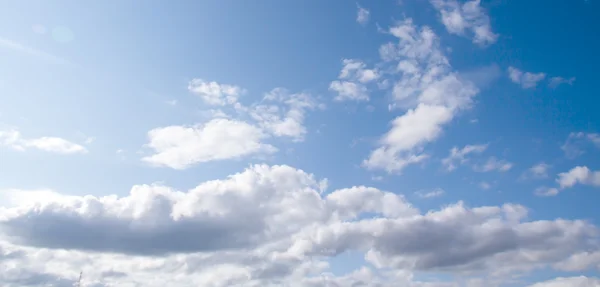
<point x="273" y="225"/>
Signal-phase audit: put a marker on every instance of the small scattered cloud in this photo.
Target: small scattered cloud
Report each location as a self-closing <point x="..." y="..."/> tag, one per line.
<point x="526" y="80"/>
<point x="437" y="192"/>
<point x="352" y="80"/>
<point x="363" y="15"/>
<point x="14" y="140"/>
<point x="578" y="142"/>
<point x="467" y="19"/>
<point x="493" y="164"/>
<point x="213" y="93"/>
<point x="546" y="191"/>
<point x="537" y="171"/>
<point x="171" y="102"/>
<point x="557" y="81"/>
<point x="484" y="185"/>
<point x="459" y="156"/>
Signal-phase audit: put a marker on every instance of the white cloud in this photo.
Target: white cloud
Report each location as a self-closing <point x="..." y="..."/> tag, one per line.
<point x="468" y="17"/>
<point x="493" y="164"/>
<point x="22" y="197"/>
<point x="286" y="120"/>
<point x="485" y="185"/>
<point x="578" y="141"/>
<point x="225" y="136"/>
<point x="349" y="91"/>
<point x="578" y="175"/>
<point x="363" y="16"/>
<point x="352" y="81"/>
<point x="459" y="156"/>
<point x="158" y="236"/>
<point x="181" y="146"/>
<point x="214" y="93"/>
<point x="427" y="88"/>
<point x="546" y="191"/>
<point x="526" y="80"/>
<point x="538" y="171"/>
<point x="580" y="262"/>
<point x="580" y="281"/>
<point x="557" y="81"/>
<point x="437" y="192"/>
<point x="13" y="139"/>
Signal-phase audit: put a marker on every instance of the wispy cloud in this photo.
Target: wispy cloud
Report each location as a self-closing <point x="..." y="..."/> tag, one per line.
<point x="437" y="192"/>
<point x="24" y="49"/>
<point x="363" y="16"/>
<point x="14" y="140"/>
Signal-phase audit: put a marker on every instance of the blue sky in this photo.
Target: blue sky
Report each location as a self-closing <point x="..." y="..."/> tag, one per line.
<point x="439" y="106"/>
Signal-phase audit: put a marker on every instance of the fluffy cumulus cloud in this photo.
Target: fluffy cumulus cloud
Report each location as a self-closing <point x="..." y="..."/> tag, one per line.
<point x="352" y="81"/>
<point x="578" y="175"/>
<point x="181" y="146"/>
<point x="466" y="19"/>
<point x="14" y="140"/>
<point x="526" y="80"/>
<point x="273" y="226"/>
<point x="427" y="88"/>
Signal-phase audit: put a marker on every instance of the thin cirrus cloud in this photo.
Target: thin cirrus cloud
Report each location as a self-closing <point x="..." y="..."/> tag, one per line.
<point x="290" y="227"/>
<point x="14" y="140"/>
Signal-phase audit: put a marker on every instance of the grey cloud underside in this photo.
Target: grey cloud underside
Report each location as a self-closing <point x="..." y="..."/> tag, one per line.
<point x="109" y="235"/>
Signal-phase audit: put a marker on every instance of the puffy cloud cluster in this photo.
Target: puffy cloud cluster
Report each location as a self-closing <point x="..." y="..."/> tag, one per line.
<point x="526" y="80"/>
<point x="351" y="83"/>
<point x="427" y="87"/>
<point x="273" y="226"/>
<point x="279" y="114"/>
<point x="466" y="18"/>
<point x="213" y="93"/>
